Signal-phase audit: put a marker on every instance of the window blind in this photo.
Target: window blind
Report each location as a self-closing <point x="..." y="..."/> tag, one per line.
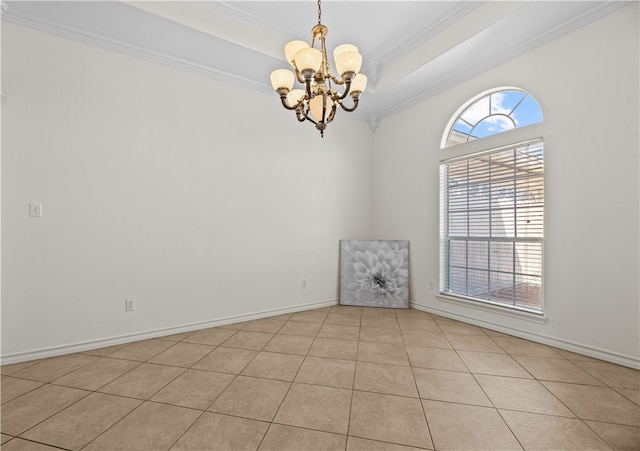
<point x="492" y="225"/>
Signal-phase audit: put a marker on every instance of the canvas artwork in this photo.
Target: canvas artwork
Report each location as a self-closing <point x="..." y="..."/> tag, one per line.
<point x="374" y="273"/>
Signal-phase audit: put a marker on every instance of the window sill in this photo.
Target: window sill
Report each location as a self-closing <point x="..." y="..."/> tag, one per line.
<point x="513" y="312"/>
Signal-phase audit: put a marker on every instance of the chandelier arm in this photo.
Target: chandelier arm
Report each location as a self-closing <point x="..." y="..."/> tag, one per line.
<point x="349" y="109"/>
<point x="299" y="76"/>
<point x="283" y="99"/>
<point x="336" y="80"/>
<point x="299" y="115"/>
<point x="346" y="89"/>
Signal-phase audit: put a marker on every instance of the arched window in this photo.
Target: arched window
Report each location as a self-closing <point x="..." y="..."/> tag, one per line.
<point x="490" y="113"/>
<point x="492" y="206"/>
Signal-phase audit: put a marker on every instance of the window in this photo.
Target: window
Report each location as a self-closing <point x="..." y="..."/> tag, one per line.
<point x="490" y="113"/>
<point x="491" y="224"/>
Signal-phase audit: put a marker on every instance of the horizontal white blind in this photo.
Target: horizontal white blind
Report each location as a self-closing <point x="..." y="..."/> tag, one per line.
<point x="492" y="225"/>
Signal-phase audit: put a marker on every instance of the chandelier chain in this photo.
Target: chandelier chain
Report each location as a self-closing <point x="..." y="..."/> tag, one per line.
<point x="319" y="12"/>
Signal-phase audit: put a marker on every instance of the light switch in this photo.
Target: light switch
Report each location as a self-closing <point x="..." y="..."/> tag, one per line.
<point x="35" y="210"/>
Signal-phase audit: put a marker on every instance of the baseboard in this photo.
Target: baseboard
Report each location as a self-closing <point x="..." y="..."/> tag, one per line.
<point x="120" y="339"/>
<point x="566" y="345"/>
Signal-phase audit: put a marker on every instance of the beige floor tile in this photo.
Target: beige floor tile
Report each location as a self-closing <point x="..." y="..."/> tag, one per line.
<point x="575" y="356"/>
<point x="265" y="325"/>
<point x="632" y="395"/>
<point x="434" y="358"/>
<point x="5" y="370"/>
<point x="478" y="343"/>
<point x="558" y="370"/>
<point x="176" y="337"/>
<point x="459" y="328"/>
<point x="18" y="444"/>
<point x="182" y="354"/>
<point x="289" y="438"/>
<point x="314" y="407"/>
<point x="311" y="316"/>
<point x="143" y="381"/>
<point x="412" y="314"/>
<point x="235" y="326"/>
<point x="103" y="352"/>
<point x="283" y="316"/>
<point x="97" y="374"/>
<point x="449" y="386"/>
<point x="518" y="346"/>
<point x="54" y="367"/>
<point x="426" y="339"/>
<point x="493" y="364"/>
<point x="339" y="331"/>
<point x="380" y="335"/>
<point x="327" y="372"/>
<point x="151" y="426"/>
<point x="79" y="424"/>
<point x="194" y="388"/>
<point x="343" y="319"/>
<point x="615" y="376"/>
<point x="596" y="403"/>
<point x="617" y="436"/>
<point x="304" y="328"/>
<point x="142" y="351"/>
<point x="31" y="408"/>
<point x="13" y="387"/>
<point x="526" y="395"/>
<point x="390" y="379"/>
<point x="226" y="360"/>
<point x="426" y="325"/>
<point x="254" y="341"/>
<point x="214" y="336"/>
<point x="495" y="333"/>
<point x="271" y="365"/>
<point x="289" y="344"/>
<point x="362" y="444"/>
<point x="250" y="397"/>
<point x="543" y="432"/>
<point x="346" y="309"/>
<point x="379" y="311"/>
<point x="334" y="348"/>
<point x="380" y="322"/>
<point x="464" y="427"/>
<point x="382" y="353"/>
<point x="389" y="418"/>
<point x="220" y="432"/>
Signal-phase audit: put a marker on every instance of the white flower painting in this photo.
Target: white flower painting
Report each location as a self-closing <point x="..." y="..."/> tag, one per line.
<point x="374" y="273"/>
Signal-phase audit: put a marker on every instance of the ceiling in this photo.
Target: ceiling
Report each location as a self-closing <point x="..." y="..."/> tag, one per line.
<point x="411" y="50"/>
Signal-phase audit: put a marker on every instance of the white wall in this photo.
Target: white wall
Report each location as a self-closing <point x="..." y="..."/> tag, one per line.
<point x="587" y="85"/>
<point x="199" y="199"/>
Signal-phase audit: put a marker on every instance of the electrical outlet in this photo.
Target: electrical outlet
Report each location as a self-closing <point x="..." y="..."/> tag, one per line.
<point x="35" y="210"/>
<point x="304" y="284"/>
<point x="431" y="284"/>
<point x="130" y="305"/>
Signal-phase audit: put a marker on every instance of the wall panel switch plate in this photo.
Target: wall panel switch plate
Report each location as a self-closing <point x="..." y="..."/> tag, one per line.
<point x="130" y="305"/>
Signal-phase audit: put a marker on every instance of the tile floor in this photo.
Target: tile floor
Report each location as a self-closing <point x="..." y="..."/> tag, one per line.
<point x="337" y="378"/>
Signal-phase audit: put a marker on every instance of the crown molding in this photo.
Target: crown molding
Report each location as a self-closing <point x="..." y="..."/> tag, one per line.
<point x="566" y="27"/>
<point x="104" y="42"/>
<point x="382" y="109"/>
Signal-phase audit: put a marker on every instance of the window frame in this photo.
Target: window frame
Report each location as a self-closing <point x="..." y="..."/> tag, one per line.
<point x="450" y="128"/>
<point x="444" y="263"/>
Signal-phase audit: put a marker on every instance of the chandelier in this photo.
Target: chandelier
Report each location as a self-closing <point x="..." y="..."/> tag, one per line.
<point x="318" y="101"/>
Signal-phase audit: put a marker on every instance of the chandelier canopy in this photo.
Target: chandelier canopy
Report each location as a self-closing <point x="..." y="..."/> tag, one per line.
<point x="318" y="101"/>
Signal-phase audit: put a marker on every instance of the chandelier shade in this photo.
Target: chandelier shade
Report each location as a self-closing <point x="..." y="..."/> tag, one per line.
<point x="318" y="100"/>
